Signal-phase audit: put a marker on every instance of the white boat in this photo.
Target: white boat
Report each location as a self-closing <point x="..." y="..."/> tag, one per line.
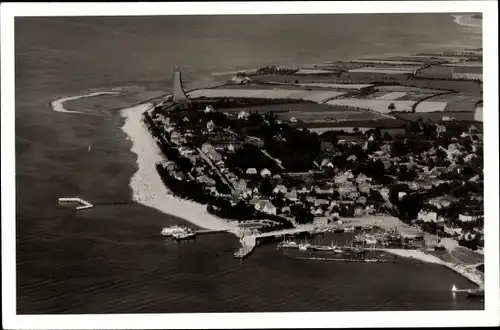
<point x="170" y="231"/>
<point x="183" y="235"/>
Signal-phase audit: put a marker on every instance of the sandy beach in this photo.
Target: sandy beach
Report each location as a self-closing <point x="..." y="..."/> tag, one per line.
<point x="58" y="105"/>
<point x="147" y="187"/>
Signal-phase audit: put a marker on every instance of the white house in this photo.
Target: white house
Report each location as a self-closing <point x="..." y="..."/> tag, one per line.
<point x="265" y="173"/>
<point x="467" y="218"/>
<point x="269" y="208"/>
<point x="326" y="163"/>
<point x="401" y="194"/>
<point x="210" y="126"/>
<point x="352" y="158"/>
<point x="293" y="120"/>
<point x="251" y="171"/>
<point x="209" y="108"/>
<point x="243" y="115"/>
<point x="427" y="216"/>
<point x="280" y="189"/>
<point x="317" y="212"/>
<point x="452" y="230"/>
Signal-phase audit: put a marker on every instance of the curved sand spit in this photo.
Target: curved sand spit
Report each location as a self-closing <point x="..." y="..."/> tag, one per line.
<point x="58" y="105"/>
<point x="147" y="187"/>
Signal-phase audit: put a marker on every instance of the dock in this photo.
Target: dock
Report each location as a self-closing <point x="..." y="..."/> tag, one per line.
<point x="79" y="203"/>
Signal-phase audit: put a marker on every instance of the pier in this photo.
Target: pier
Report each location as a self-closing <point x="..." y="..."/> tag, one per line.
<point x="79" y="203"/>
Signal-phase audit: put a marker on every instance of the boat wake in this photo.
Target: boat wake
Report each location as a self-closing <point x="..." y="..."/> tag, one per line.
<point x="58" y="105"/>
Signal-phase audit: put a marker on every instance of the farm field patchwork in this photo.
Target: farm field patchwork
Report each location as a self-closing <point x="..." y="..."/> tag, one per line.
<point x="384" y="70"/>
<point x="331" y="116"/>
<point x="316" y="96"/>
<point x="436" y="71"/>
<point x="391" y="96"/>
<point x="373" y="104"/>
<point x="437" y="116"/>
<point x="468" y="76"/>
<point x="338" y="86"/>
<point x="389" y="61"/>
<point x="466" y="64"/>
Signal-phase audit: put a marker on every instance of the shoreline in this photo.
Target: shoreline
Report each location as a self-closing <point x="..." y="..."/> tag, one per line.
<point x="463" y="270"/>
<point x="58" y="105"/>
<point x="146" y="185"/>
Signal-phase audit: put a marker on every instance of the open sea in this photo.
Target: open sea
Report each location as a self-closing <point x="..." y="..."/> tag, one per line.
<point x="112" y="259"/>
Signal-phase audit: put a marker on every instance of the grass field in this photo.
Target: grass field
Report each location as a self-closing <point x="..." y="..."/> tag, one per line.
<point x="346" y="115"/>
<point x="437" y="116"/>
<point x="389" y="61"/>
<point x="383" y="123"/>
<point x="436" y="71"/>
<point x="468" y="76"/>
<point x="376" y="105"/>
<point x="336" y="86"/>
<point x="384" y="70"/>
<point x="409" y="89"/>
<point x="297" y="94"/>
<point x="457" y="85"/>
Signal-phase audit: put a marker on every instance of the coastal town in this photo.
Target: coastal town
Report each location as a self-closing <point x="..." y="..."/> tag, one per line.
<point x="393" y="142"/>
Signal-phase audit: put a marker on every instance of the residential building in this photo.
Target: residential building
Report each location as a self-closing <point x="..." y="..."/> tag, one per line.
<point x="280" y="189"/>
<point x="243" y="115"/>
<point x="210" y="126"/>
<point x="251" y="171"/>
<point x="265" y="173"/>
<point x="427" y="216"/>
<point x="467" y="218"/>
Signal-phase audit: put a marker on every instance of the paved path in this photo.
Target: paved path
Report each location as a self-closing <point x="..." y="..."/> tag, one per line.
<point x="209" y="161"/>
<point x="273" y="159"/>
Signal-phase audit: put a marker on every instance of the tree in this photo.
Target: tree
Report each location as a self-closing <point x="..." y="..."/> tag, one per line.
<point x="391" y="107"/>
<point x="387" y="136"/>
<point x="303" y="216"/>
<point x="266" y="187"/>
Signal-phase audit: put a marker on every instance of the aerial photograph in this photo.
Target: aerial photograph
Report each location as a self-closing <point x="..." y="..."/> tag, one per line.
<point x="249" y="163"/>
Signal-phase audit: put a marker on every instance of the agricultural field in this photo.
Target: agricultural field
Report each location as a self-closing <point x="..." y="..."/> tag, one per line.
<point x="430" y="106"/>
<point x="437" y="116"/>
<point x="295" y="78"/>
<point x="389" y="62"/>
<point x="466" y="69"/>
<point x="386" y="123"/>
<point x="436" y="72"/>
<point x="381" y="106"/>
<point x="454" y="102"/>
<point x="475" y="64"/>
<point x="314" y="72"/>
<point x="315" y="96"/>
<point x="451" y="72"/>
<point x="468" y="76"/>
<point x="372" y="76"/>
<point x="386" y="70"/>
<point x="333" y="116"/>
<point x="418" y="59"/>
<point x="291" y="107"/>
<point x="463" y="86"/>
<point x="408" y="89"/>
<point x="336" y="86"/>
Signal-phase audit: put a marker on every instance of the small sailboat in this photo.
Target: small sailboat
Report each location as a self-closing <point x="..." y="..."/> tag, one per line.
<point x="454" y="288"/>
<point x="90" y="147"/>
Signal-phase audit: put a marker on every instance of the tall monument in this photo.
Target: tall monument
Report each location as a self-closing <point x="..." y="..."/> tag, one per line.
<point x="179" y="96"/>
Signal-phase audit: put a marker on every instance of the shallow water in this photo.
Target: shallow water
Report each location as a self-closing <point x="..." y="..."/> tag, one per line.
<point x="111" y="259"/>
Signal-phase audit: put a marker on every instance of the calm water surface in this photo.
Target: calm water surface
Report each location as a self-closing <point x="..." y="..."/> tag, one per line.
<point x="111" y="259"/>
